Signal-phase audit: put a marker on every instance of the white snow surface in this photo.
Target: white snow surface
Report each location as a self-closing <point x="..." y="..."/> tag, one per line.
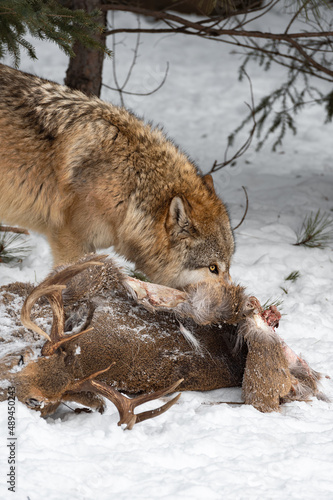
<point x="198" y="450"/>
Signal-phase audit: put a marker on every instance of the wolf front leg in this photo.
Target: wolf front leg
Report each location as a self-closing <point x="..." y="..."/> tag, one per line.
<point x="67" y="246"/>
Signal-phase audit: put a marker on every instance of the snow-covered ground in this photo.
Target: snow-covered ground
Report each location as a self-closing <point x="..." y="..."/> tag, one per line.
<point x="198" y="450"/>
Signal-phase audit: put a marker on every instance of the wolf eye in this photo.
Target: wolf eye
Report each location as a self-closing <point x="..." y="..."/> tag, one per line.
<point x="214" y="269"/>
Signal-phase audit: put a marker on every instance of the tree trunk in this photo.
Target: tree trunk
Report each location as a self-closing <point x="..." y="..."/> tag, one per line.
<point x="85" y="70"/>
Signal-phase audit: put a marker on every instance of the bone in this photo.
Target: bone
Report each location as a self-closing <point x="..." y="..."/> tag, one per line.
<point x="153" y="296"/>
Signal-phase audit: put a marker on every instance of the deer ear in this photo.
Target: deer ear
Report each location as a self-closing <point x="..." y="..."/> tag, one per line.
<point x="179" y="221"/>
<point x="208" y="180"/>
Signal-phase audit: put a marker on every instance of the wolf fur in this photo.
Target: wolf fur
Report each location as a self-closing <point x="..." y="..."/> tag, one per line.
<point x="88" y="175"/>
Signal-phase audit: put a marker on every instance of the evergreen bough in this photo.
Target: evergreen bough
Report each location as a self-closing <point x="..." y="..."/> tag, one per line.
<point x="46" y="20"/>
<point x="13" y="247"/>
<point x="316" y="231"/>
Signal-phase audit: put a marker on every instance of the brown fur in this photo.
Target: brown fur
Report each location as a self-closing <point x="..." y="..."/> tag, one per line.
<point x="145" y="352"/>
<point x="89" y="175"/>
<point x="264" y="388"/>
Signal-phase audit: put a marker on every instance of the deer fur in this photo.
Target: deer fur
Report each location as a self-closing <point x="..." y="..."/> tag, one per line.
<point x="140" y="350"/>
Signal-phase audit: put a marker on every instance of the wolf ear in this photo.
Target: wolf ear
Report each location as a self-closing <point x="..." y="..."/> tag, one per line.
<point x="178" y="221"/>
<point x="208" y="180"/>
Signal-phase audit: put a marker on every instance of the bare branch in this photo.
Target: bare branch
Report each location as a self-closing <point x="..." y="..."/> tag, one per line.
<point x="218" y="166"/>
<point x="305" y="54"/>
<point x="245" y="213"/>
<point x="114" y="65"/>
<point x="200" y="28"/>
<point x="141" y="94"/>
<point x="210" y="29"/>
<point x="310" y="59"/>
<point x="295" y="16"/>
<point x="262" y="12"/>
<point x="12" y="229"/>
<point x="120" y="88"/>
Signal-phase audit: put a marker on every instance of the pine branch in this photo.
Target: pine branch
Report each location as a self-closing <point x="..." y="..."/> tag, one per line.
<point x="46" y="20"/>
<point x="316" y="231"/>
<point x="12" y="229"/>
<point x="13" y="248"/>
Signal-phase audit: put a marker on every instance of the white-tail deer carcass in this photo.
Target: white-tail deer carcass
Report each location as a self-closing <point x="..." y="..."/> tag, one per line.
<point x="112" y="334"/>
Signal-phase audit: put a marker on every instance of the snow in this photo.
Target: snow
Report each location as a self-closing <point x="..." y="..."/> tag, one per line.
<point x="199" y="449"/>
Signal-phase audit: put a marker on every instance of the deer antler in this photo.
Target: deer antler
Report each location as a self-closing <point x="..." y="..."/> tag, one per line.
<point x="53" y="293"/>
<point x="52" y="288"/>
<point x="125" y="405"/>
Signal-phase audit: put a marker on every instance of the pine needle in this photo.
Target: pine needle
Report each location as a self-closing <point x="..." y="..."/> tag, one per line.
<point x="12" y="248"/>
<point x="316" y="231"/>
<point x="269" y="302"/>
<point x="293" y="276"/>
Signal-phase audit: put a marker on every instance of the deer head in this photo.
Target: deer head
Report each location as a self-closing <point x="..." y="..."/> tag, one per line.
<point x="51" y="379"/>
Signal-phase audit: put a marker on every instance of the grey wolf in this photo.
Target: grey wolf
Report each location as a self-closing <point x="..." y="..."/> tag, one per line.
<point x="89" y="175"/>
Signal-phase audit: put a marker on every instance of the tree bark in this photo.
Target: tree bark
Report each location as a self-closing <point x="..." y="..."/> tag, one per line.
<point x="85" y="70"/>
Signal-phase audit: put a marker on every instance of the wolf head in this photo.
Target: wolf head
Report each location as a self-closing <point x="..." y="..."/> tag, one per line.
<point x="194" y="241"/>
<point x="201" y="240"/>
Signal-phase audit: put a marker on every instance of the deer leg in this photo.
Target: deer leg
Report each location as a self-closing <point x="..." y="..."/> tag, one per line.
<point x="152" y="296"/>
<point x="273" y="372"/>
<point x="305" y="379"/>
<point x="267" y="378"/>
